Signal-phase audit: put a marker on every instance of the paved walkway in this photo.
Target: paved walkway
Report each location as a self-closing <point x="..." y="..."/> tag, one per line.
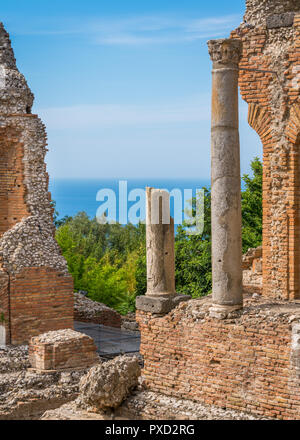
<point x="110" y="341"/>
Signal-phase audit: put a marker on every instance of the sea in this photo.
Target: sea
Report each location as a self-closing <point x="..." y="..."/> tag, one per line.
<point x="80" y="195"/>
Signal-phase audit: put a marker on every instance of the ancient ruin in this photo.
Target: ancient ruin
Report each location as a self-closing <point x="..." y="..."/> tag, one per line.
<point x="36" y="290"/>
<point x="234" y="354"/>
<point x="271" y="42"/>
<point x="212" y="350"/>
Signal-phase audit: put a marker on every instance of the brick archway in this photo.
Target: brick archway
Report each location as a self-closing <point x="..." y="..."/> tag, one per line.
<point x="271" y="57"/>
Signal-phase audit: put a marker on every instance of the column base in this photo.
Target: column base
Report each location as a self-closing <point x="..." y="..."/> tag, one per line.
<point x="159" y="305"/>
<point x="223" y="312"/>
<point x="162" y="294"/>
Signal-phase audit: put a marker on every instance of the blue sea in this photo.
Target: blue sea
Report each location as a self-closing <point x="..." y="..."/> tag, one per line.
<point x="77" y="195"/>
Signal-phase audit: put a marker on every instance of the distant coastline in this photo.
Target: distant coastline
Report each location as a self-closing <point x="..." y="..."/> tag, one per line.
<point x="75" y="195"/>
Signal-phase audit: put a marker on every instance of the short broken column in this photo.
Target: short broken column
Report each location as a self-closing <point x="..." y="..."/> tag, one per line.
<point x="160" y="241"/>
<point x="226" y="179"/>
<point x="161" y="294"/>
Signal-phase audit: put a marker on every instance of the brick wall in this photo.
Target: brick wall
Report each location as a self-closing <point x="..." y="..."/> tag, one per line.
<point x="41" y="299"/>
<point x="12" y="189"/>
<point x="36" y="290"/>
<point x="274" y="112"/>
<point x="244" y="363"/>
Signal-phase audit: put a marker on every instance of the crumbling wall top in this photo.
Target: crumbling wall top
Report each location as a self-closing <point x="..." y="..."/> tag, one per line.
<point x="15" y="95"/>
<point x="258" y="11"/>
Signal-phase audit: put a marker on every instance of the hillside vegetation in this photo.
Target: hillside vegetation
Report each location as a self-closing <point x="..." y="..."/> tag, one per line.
<point x="109" y="261"/>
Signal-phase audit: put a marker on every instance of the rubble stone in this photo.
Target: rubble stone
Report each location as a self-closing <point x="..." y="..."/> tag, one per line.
<point x="107" y="385"/>
<point x="26" y="394"/>
<point x="86" y="310"/>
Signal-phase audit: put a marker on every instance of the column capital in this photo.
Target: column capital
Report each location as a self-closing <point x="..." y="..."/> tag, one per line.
<point x="225" y="52"/>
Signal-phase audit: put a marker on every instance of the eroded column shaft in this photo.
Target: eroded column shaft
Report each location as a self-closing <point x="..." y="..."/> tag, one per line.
<point x="160" y="244"/>
<point x="226" y="180"/>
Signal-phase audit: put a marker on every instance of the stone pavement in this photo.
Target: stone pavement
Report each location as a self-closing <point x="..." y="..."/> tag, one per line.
<point x="110" y="341"/>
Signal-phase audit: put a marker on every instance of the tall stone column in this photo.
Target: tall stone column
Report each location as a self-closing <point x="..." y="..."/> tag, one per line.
<point x="160" y="244"/>
<point x="226" y="179"/>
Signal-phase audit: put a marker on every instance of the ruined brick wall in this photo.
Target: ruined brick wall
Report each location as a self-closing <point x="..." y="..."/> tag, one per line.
<point x="39" y="302"/>
<point x="251" y="360"/>
<point x="271" y="41"/>
<point x="12" y="189"/>
<point x="36" y="291"/>
<point x="86" y="310"/>
<point x="248" y="363"/>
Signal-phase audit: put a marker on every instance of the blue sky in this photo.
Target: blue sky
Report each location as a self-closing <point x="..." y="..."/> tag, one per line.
<point x="124" y="86"/>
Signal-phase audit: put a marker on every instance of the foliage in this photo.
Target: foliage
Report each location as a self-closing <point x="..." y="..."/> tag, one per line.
<point x="252" y="207"/>
<point x="104" y="260"/>
<point x="193" y="255"/>
<point x="193" y="252"/>
<point x="58" y="222"/>
<point x="141" y="272"/>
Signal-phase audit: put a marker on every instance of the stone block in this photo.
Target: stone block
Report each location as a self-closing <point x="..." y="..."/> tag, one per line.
<point x="280" y="20"/>
<point x="62" y="350"/>
<point x="159" y="305"/>
<point x="179" y="299"/>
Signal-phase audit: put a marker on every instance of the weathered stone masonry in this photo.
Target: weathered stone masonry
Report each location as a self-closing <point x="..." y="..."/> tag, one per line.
<point x="250" y="360"/>
<point x="271" y="41"/>
<point x="36" y="290"/>
<point x="245" y="363"/>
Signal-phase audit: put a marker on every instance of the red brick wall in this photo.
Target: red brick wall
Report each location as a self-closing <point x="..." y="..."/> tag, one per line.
<point x="243" y="364"/>
<point x="279" y="132"/>
<point x="41" y="299"/>
<point x="12" y="188"/>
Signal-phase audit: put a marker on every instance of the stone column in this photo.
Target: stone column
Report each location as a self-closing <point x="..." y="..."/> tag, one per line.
<point x="226" y="179"/>
<point x="161" y="294"/>
<point x="160" y="244"/>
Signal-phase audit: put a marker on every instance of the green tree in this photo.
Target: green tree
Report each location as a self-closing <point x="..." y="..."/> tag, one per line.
<point x="193" y="255"/>
<point x="252" y="207"/>
<point x="193" y="252"/>
<point x="141" y="272"/>
<point x="58" y="222"/>
<point x="104" y="259"/>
